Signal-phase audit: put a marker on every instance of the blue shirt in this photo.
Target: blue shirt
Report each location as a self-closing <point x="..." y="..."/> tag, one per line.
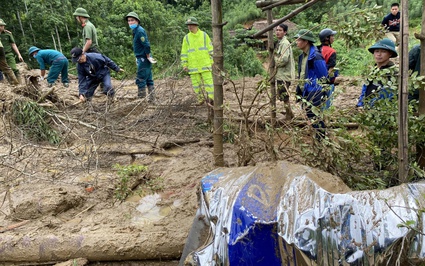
<point x="46" y="57"/>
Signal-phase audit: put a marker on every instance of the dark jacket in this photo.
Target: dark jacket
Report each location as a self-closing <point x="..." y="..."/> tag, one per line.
<point x="375" y="91"/>
<point x="141" y="45"/>
<point x="94" y="70"/>
<point x="415" y="66"/>
<point x="391" y="22"/>
<point x="329" y="54"/>
<point x="315" y="71"/>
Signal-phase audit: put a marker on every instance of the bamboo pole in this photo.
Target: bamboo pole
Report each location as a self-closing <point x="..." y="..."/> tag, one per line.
<point x="290" y="15"/>
<point x="217" y="27"/>
<point x="270" y="47"/>
<point x="403" y="159"/>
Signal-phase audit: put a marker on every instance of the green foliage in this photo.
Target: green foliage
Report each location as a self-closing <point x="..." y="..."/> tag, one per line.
<point x="127" y="175"/>
<point x="354" y="61"/>
<point x="33" y="120"/>
<point x="241" y="57"/>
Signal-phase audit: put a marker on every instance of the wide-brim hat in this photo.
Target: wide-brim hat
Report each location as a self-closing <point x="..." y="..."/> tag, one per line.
<point x="133" y="15"/>
<point x="192" y="21"/>
<point x="32" y="50"/>
<point x="81" y="12"/>
<point x="305" y="35"/>
<point x="76" y="53"/>
<point x="385" y="44"/>
<point x="2" y="23"/>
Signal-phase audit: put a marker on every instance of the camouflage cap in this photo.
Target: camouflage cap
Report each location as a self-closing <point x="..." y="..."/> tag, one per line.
<point x="2" y="23"/>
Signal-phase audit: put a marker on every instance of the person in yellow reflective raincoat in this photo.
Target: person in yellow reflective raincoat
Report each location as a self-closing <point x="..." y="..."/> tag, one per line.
<point x="196" y="59"/>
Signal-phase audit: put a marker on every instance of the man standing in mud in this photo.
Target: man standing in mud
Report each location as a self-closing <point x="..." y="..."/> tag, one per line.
<point x="144" y="60"/>
<point x="196" y="59"/>
<point x="312" y="74"/>
<point x="285" y="68"/>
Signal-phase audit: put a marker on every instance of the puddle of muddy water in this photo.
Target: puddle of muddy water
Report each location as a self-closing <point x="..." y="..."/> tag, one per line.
<point x="148" y="210"/>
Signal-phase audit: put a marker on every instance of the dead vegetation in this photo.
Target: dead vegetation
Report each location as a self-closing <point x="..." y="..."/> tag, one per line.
<point x="66" y="185"/>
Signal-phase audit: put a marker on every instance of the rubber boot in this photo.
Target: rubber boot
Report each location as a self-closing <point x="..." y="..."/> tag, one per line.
<point x="10" y="76"/>
<point x="141" y="93"/>
<point x="151" y="96"/>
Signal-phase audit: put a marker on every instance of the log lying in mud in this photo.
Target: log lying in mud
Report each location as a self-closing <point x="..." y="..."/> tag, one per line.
<point x="92" y="246"/>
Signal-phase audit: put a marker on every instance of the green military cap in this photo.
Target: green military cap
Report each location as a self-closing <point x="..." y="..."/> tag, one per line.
<point x="81" y="12"/>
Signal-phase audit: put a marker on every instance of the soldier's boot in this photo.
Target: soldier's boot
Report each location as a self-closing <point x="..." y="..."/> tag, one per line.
<point x="141" y="93"/>
<point x="10" y="76"/>
<point x="151" y="96"/>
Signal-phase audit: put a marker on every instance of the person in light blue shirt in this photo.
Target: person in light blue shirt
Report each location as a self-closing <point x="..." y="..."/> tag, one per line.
<point x="56" y="60"/>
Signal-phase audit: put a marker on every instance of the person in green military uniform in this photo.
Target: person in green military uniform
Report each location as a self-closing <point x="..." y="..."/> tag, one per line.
<point x="5" y="68"/>
<point x="9" y="46"/>
<point x="90" y="44"/>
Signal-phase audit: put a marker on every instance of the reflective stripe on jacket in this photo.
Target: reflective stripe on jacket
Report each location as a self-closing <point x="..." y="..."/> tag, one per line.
<point x="196" y="52"/>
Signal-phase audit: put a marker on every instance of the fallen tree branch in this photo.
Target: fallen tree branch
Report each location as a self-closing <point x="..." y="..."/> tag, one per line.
<point x="13" y="226"/>
<point x="44" y="96"/>
<point x="94" y="127"/>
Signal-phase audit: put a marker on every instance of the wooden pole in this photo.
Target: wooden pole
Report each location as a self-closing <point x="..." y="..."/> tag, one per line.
<point x="270" y="47"/>
<point x="290" y="15"/>
<point x="217" y="27"/>
<point x="403" y="159"/>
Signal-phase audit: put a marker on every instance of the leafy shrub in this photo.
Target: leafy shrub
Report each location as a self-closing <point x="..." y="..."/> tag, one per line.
<point x="33" y="120"/>
<point x="127" y="175"/>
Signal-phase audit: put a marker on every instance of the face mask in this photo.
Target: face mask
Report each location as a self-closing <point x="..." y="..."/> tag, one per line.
<point x="133" y="26"/>
<point x="34" y="55"/>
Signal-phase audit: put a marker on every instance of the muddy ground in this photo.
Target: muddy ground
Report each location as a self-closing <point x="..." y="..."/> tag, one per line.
<point x="60" y="201"/>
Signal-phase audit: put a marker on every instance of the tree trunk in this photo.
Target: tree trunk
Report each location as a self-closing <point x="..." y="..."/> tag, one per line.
<point x="270" y="47"/>
<point x="59" y="40"/>
<point x="54" y="42"/>
<point x="403" y="159"/>
<point x="20" y="24"/>
<point x="217" y="27"/>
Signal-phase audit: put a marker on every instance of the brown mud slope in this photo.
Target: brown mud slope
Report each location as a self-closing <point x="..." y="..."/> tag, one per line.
<point x="59" y="202"/>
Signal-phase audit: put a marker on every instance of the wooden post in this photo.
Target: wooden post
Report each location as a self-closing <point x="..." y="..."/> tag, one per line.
<point x="420" y="147"/>
<point x="290" y="15"/>
<point x="217" y="27"/>
<point x="270" y="47"/>
<point x="403" y="159"/>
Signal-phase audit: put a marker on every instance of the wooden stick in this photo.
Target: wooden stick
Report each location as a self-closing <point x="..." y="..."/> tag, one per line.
<point x="13" y="226"/>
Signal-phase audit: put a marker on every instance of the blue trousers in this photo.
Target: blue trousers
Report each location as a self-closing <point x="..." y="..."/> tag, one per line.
<point x="94" y="83"/>
<point x="59" y="66"/>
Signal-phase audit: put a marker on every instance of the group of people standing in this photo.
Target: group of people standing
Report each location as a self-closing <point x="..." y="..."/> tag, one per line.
<point x="315" y="69"/>
<point x="93" y="67"/>
<point x="317" y="74"/>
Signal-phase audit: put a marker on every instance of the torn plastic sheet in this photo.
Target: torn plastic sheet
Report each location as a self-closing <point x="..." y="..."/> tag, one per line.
<point x="286" y="214"/>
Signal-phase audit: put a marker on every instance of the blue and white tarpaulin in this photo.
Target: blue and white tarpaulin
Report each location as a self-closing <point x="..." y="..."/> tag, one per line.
<point x="287" y="214"/>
